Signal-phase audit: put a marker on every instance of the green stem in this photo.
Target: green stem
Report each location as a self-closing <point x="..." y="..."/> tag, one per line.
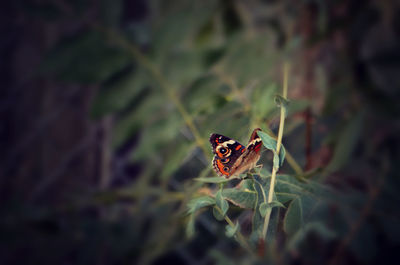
<point x="241" y="239"/>
<point x="247" y="106"/>
<point x="278" y="148"/>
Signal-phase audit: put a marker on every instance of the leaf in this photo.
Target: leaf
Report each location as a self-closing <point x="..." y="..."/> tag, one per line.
<point x="263" y="208"/>
<point x="262" y="186"/>
<point x="299" y="213"/>
<point x="290" y="186"/>
<point x="242" y="198"/>
<point x="273" y="225"/>
<point x="282" y="154"/>
<point x="231" y="231"/>
<point x="221" y="202"/>
<point x="196" y="101"/>
<point x="268" y="141"/>
<point x="175" y="160"/>
<point x="284" y="197"/>
<point x="86" y="58"/>
<point x="135" y="118"/>
<point x="117" y="95"/>
<point x="276" y="203"/>
<point x="293" y="217"/>
<point x="281" y="102"/>
<point x="265" y="205"/>
<point x="263" y="103"/>
<point x="301" y="235"/>
<point x="197" y="203"/>
<point x="158" y="135"/>
<point x="258" y="220"/>
<point x="217" y="214"/>
<point x="190" y="226"/>
<point x="213" y="180"/>
<point x="346" y="143"/>
<point x="193" y="205"/>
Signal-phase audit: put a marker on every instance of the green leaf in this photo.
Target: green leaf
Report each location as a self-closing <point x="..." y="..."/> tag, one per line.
<point x="258" y="220"/>
<point x="190" y="226"/>
<point x="194" y="205"/>
<point x="244" y="198"/>
<point x="263" y="208"/>
<point x="301" y="235"/>
<point x="87" y="58"/>
<point x="346" y="143"/>
<point x="289" y="186"/>
<point x="282" y="154"/>
<point x="217" y="214"/>
<point x="197" y="203"/>
<point x="268" y="141"/>
<point x="276" y="203"/>
<point x="263" y="100"/>
<point x="281" y="102"/>
<point x="293" y="217"/>
<point x="158" y="135"/>
<point x="174" y="161"/>
<point x="213" y="180"/>
<point x="284" y="197"/>
<point x="299" y="213"/>
<point x="221" y="202"/>
<point x="231" y="231"/>
<point x="117" y="95"/>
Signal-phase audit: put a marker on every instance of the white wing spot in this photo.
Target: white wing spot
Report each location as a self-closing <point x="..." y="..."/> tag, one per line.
<point x="229" y="142"/>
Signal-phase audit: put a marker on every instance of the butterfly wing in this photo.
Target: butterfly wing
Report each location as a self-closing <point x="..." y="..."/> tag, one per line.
<point x="227" y="152"/>
<point x="231" y="157"/>
<point x="249" y="158"/>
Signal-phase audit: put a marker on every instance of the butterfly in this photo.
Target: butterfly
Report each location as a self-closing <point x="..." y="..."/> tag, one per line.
<point x="232" y="158"/>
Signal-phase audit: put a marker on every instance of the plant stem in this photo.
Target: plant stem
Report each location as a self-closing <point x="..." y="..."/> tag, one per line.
<point x="247" y="107"/>
<point x="241" y="239"/>
<point x="278" y="148"/>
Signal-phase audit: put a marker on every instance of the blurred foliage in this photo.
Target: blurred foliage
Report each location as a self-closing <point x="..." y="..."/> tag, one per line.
<point x="187" y="69"/>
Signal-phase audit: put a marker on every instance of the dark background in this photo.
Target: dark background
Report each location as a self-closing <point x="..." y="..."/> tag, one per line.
<point x="106" y="108"/>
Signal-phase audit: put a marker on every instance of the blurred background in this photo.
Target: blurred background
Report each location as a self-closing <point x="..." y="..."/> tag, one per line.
<point x="106" y="108"/>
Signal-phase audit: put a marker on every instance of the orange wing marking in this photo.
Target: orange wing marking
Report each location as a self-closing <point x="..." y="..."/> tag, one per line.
<point x="221" y="168"/>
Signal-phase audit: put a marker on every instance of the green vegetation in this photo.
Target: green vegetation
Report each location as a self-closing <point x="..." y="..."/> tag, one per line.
<point x="327" y="192"/>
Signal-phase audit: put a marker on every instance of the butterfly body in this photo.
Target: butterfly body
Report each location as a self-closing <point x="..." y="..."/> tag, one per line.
<point x="231" y="157"/>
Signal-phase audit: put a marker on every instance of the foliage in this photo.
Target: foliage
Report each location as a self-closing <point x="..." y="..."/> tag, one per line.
<point x="189" y="69"/>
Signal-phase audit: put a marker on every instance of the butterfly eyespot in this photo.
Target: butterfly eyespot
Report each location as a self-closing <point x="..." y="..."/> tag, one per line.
<point x="226" y="169"/>
<point x="225" y="160"/>
<point x="223" y="150"/>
